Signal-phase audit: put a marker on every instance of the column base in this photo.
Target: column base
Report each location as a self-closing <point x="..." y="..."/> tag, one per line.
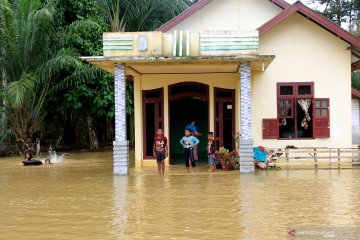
<point x="246" y="156"/>
<point x="121" y="157"/>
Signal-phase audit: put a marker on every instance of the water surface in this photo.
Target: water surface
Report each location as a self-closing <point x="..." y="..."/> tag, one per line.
<point x="81" y="200"/>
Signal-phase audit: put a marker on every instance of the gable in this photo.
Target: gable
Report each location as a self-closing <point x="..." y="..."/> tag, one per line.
<point x="298" y="34"/>
<point x="226" y="15"/>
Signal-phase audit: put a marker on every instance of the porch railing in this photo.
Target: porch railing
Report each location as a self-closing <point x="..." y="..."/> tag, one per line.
<point x="320" y="157"/>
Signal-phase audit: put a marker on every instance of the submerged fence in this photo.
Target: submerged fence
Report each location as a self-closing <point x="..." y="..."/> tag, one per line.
<point x="318" y="157"/>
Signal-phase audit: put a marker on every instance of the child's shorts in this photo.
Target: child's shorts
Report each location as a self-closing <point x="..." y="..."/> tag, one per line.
<point x="160" y="157"/>
<point x="211" y="159"/>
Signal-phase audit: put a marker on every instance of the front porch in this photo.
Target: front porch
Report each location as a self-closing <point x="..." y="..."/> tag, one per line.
<point x="155" y="76"/>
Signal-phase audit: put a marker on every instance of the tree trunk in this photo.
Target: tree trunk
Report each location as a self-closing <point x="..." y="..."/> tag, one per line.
<point x="25" y="144"/>
<point x="94" y="143"/>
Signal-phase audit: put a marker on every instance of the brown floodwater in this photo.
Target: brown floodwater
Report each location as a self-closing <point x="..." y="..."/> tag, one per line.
<point x="80" y="199"/>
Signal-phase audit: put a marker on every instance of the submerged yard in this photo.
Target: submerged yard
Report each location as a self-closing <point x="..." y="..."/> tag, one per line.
<point x="81" y="199"/>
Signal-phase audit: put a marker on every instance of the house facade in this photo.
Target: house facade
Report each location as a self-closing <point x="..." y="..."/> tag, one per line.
<point x="279" y="74"/>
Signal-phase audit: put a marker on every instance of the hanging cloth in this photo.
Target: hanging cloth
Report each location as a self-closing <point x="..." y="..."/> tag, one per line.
<point x="305" y="105"/>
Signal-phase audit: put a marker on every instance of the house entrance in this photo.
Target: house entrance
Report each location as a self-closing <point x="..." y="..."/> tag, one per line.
<point x="188" y="101"/>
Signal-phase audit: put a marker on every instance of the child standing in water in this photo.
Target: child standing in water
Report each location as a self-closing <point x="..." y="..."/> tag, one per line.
<point x="211" y="151"/>
<point x="188" y="142"/>
<point x="160" y="150"/>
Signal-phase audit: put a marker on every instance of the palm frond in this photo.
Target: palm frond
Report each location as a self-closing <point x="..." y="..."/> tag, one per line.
<point x="17" y="91"/>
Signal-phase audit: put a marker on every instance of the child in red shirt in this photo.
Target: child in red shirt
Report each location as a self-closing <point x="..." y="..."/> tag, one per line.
<point x="160" y="150"/>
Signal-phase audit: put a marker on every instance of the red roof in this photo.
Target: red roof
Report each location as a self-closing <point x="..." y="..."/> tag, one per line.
<point x="199" y="5"/>
<point x="320" y="20"/>
<point x="355" y="93"/>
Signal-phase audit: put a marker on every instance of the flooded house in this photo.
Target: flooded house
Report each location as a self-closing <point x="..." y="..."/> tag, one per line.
<point x="279" y="74"/>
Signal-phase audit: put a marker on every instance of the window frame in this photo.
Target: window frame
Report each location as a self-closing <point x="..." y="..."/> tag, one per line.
<point x="321" y="118"/>
<point x="295" y="96"/>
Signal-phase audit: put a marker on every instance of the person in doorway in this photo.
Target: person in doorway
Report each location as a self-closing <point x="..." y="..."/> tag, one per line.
<point x="160" y="150"/>
<point x="211" y="151"/>
<point x="188" y="142"/>
<point x="194" y="132"/>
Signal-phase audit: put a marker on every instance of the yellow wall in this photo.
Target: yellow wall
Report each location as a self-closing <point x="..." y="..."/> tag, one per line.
<point x="154" y="81"/>
<point x="230" y="15"/>
<point x="305" y="53"/>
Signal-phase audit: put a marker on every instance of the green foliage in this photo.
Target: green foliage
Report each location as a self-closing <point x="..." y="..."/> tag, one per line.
<point x="356" y="80"/>
<point x="46" y="89"/>
<point x="140" y="15"/>
<point x="341" y="12"/>
<point x="30" y="60"/>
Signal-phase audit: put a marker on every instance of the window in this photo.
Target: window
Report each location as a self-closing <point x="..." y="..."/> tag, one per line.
<point x="294" y="110"/>
<point x="299" y="114"/>
<point x="322" y="118"/>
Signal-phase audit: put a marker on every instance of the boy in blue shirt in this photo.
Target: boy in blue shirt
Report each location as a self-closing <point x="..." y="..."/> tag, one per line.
<point x="188" y="142"/>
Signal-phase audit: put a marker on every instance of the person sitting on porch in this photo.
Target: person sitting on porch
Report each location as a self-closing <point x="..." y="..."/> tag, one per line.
<point x="188" y="142"/>
<point x="193" y="132"/>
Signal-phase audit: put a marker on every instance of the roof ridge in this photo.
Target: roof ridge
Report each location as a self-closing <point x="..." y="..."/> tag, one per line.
<point x="317" y="18"/>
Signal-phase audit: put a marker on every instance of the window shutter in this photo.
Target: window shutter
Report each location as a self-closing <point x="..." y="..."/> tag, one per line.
<point x="321" y="118"/>
<point x="270" y="128"/>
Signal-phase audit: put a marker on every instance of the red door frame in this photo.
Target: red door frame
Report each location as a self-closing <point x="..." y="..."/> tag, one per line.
<point x="220" y="139"/>
<point x="179" y="96"/>
<point x="157" y="117"/>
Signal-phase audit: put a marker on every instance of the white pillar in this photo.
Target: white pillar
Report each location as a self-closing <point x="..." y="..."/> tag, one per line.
<point x="121" y="145"/>
<point x="246" y="143"/>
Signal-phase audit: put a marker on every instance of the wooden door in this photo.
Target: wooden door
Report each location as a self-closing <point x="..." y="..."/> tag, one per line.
<point x="224" y="118"/>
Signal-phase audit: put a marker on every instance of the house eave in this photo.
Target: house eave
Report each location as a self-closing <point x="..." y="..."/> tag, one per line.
<point x="258" y="62"/>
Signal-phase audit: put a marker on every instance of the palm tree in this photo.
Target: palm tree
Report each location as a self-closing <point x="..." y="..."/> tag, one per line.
<point x="140" y="15"/>
<point x="29" y="60"/>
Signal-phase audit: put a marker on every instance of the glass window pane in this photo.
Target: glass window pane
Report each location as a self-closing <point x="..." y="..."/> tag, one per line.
<point x="318" y="104"/>
<point x="286" y="90"/>
<point x="304" y="90"/>
<point x="325" y="104"/>
<point x="153" y="95"/>
<point x="318" y="112"/>
<point x="285" y="108"/>
<point x="324" y="112"/>
<point x="224" y="94"/>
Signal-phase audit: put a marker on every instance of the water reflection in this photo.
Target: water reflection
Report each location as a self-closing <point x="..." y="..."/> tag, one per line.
<point x="81" y="199"/>
<point x="120" y="212"/>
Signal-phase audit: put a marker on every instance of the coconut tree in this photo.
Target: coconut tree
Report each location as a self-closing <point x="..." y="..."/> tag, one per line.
<point x="140" y="15"/>
<point x="29" y="60"/>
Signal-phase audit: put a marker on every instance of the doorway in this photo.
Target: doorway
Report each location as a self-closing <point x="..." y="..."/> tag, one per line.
<point x="224" y="118"/>
<point x="188" y="101"/>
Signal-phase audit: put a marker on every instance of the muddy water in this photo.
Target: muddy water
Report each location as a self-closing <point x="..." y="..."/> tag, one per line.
<point x="81" y="200"/>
